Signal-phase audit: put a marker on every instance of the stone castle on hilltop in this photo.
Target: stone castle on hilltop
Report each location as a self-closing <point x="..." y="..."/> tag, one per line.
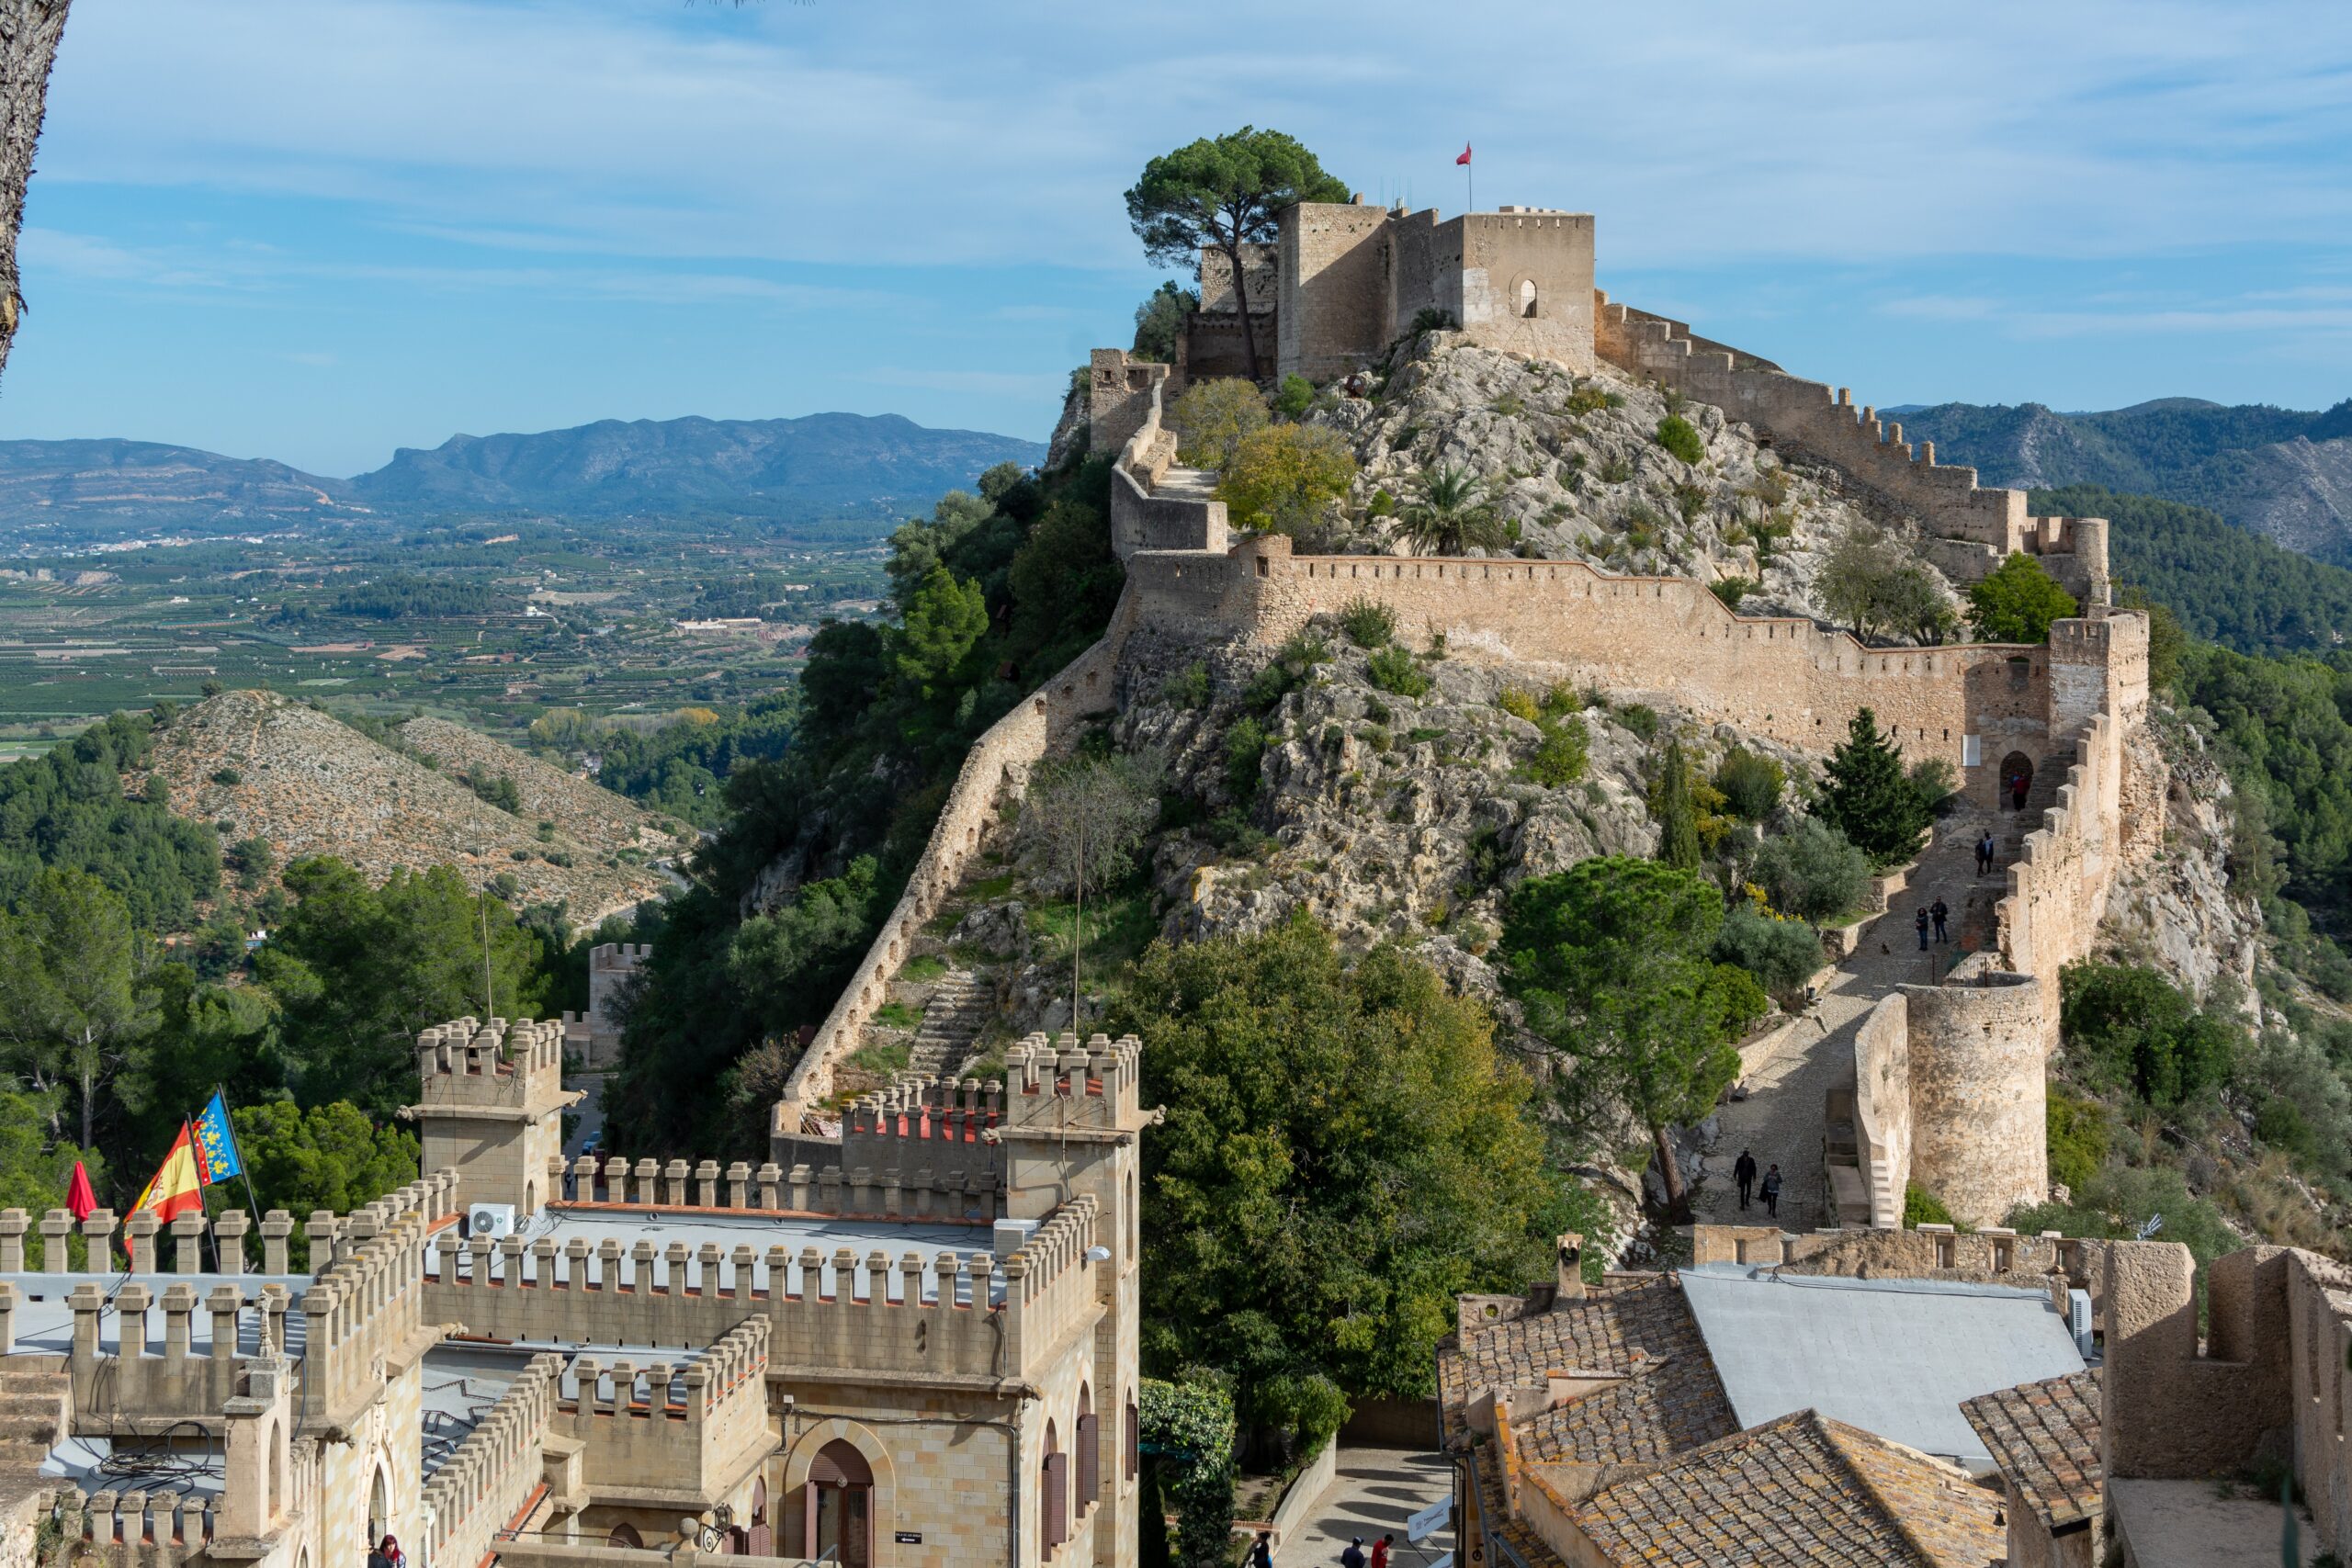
<point x="909" y="1336"/>
<point x="1345" y="280"/>
<point x="1948" y="1086"/>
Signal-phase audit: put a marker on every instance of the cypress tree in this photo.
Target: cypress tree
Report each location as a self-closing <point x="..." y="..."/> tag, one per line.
<point x="1677" y="811"/>
<point x="1869" y="797"/>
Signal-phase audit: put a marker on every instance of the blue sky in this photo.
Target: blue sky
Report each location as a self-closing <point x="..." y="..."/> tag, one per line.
<point x="318" y="232"/>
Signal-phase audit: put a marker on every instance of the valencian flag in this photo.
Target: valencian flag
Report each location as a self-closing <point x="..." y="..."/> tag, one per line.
<point x="179" y="1186"/>
<point x="216" y="1143"/>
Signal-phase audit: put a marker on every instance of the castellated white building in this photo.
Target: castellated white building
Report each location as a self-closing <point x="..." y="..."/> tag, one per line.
<point x="915" y="1344"/>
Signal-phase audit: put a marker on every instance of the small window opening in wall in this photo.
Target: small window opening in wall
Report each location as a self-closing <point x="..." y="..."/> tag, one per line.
<point x="1527" y="297"/>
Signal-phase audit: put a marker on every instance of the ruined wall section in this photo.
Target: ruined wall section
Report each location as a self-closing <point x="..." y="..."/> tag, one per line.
<point x="1981" y="527"/>
<point x="2176" y="1409"/>
<point x="1977" y="1050"/>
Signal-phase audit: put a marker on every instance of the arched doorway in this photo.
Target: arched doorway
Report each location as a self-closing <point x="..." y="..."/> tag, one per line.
<point x="626" y="1535"/>
<point x="2016" y="781"/>
<point x="760" y="1539"/>
<point x="1527" y="297"/>
<point x="840" y="1513"/>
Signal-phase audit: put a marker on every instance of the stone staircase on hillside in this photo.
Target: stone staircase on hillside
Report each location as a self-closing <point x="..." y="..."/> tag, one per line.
<point x="35" y="1415"/>
<point x="960" y="1007"/>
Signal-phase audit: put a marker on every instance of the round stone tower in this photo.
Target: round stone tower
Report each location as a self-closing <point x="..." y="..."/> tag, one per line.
<point x="1979" y="1049"/>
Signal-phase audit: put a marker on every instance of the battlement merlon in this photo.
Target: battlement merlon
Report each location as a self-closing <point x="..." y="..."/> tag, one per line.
<point x="1059" y="1089"/>
<point x="494" y="1071"/>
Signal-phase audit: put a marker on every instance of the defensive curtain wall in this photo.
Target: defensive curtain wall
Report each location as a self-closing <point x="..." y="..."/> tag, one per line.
<point x="1948" y="1079"/>
<point x="2068" y="704"/>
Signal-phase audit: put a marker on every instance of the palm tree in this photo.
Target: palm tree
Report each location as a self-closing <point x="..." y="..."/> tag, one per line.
<point x="1452" y="513"/>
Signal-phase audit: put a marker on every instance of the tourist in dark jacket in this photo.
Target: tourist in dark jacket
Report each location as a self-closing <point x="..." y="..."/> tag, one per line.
<point x="1744" y="1172"/>
<point x="1939" y="912"/>
<point x="1921" y="921"/>
<point x="1772" y="1192"/>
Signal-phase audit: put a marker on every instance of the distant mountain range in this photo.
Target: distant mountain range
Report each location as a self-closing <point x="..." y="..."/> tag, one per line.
<point x="823" y="466"/>
<point x="2281" y="472"/>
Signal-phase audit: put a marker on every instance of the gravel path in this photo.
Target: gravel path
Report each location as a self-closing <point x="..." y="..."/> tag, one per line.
<point x="1781" y="1121"/>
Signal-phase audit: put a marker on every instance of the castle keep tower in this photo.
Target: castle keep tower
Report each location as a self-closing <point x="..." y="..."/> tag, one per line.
<point x="491" y="1108"/>
<point x="1345" y="280"/>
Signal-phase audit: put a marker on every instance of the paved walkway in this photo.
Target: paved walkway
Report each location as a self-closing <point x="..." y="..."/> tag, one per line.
<point x="1375" y="1491"/>
<point x="1781" y="1121"/>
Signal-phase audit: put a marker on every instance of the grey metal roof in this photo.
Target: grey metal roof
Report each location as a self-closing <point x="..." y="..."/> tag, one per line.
<point x="1894" y="1357"/>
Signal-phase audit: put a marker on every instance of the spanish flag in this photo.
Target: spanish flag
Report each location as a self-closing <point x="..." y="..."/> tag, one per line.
<point x="179" y="1186"/>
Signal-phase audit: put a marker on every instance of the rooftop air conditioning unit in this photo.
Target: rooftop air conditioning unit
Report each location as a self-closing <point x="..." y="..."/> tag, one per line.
<point x="2078" y="1320"/>
<point x="494" y="1219"/>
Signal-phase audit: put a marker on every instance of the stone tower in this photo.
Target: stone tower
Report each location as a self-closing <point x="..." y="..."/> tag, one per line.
<point x="1072" y="1126"/>
<point x="491" y="1107"/>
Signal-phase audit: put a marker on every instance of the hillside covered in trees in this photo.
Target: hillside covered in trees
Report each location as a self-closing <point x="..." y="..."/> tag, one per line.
<point x="2227" y="585"/>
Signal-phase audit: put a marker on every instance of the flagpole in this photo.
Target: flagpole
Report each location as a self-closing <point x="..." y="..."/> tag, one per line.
<point x="243" y="1170"/>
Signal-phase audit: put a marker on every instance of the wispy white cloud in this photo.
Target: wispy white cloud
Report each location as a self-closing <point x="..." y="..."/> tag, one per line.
<point x="938" y="134"/>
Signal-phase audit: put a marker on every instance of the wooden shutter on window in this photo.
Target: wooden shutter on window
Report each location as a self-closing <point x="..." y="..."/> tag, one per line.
<point x="1090" y="1467"/>
<point x="1057" y="1500"/>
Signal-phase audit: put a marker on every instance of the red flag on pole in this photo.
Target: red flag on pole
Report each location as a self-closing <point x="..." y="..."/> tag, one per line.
<point x="1465" y="153"/>
<point x="79" y="1198"/>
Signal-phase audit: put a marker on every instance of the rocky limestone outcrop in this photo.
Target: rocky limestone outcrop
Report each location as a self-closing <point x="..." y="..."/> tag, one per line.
<point x="1572" y="464"/>
<point x="2171" y="904"/>
<point x="1384" y="817"/>
<point x="259" y="764"/>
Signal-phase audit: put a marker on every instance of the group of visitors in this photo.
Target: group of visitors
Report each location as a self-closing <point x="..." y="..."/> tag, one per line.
<point x="1742" y="1172"/>
<point x="1933" y="916"/>
<point x="1262" y="1552"/>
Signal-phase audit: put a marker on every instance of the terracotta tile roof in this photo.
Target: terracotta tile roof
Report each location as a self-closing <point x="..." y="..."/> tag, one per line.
<point x="2044" y="1435"/>
<point x="1802" y="1489"/>
<point x="1524" y="1545"/>
<point x="1672" y="1407"/>
<point x="1625" y="1324"/>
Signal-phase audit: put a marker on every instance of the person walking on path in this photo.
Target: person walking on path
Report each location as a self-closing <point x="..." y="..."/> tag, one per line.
<point x="1985" y="853"/>
<point x="1353" y="1556"/>
<point x="1744" y="1172"/>
<point x="1261" y="1550"/>
<point x="1921" y="921"/>
<point x="1380" y="1550"/>
<point x="1939" y="912"/>
<point x="1772" y="1192"/>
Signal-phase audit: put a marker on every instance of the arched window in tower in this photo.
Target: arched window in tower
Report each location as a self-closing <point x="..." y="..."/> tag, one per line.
<point x="1053" y="1494"/>
<point x="626" y="1535"/>
<point x="838" y="1515"/>
<point x="1527" y="298"/>
<point x="1090" y="1468"/>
